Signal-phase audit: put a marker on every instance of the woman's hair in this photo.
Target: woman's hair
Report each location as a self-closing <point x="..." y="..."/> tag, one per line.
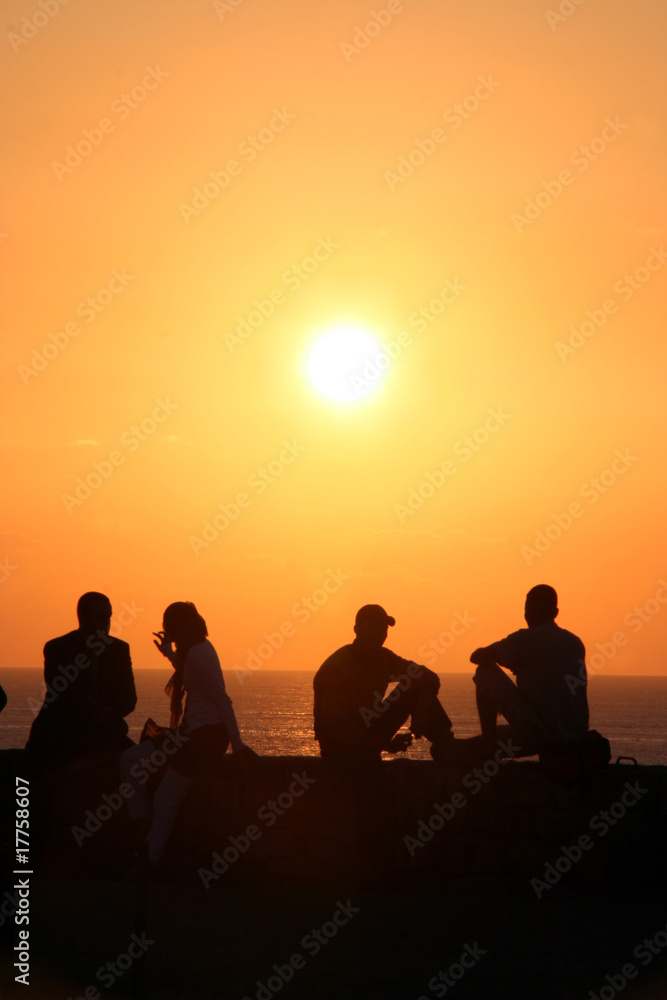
<point x="185" y="627"/>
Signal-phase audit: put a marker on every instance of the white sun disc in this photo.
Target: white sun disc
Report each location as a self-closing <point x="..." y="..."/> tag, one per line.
<point x="346" y="364"/>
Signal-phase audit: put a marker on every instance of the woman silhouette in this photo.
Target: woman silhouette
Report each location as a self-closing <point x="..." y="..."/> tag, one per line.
<point x="207" y="722"/>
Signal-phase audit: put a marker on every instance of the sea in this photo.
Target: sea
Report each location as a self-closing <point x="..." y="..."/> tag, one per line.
<point x="274" y="709"/>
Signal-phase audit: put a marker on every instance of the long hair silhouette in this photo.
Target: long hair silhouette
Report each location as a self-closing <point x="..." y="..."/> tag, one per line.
<point x="185" y="627"/>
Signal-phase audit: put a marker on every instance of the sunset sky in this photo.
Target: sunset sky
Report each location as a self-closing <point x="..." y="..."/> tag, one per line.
<point x="478" y="185"/>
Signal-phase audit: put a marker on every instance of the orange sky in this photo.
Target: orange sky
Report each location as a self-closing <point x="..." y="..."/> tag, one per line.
<point x="394" y="157"/>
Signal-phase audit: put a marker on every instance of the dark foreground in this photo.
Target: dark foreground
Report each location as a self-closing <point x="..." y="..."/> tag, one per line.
<point x="220" y="944"/>
<point x="322" y="896"/>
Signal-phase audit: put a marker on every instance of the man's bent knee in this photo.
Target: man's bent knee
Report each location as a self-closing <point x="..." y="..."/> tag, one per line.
<point x="487" y="672"/>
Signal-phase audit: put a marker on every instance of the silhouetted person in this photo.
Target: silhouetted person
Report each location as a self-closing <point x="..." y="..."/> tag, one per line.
<point x="90" y="690"/>
<point x="541" y="708"/>
<point x="354" y="722"/>
<point x="200" y="732"/>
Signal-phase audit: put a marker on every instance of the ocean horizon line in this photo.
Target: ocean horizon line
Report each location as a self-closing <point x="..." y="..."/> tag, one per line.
<point x="302" y="670"/>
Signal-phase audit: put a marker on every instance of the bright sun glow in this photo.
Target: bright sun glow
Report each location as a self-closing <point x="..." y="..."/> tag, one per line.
<point x="346" y="364"/>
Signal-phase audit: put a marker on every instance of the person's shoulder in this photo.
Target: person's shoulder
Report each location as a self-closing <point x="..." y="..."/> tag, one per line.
<point x="562" y="631"/>
<point x="550" y="632"/>
<point x="337" y="659"/>
<point x="203" y="654"/>
<point x="569" y="636"/>
<point x="521" y="635"/>
<point x="389" y="656"/>
<point x="339" y="655"/>
<point x="515" y="646"/>
<point x="62" y="641"/>
<point x="201" y="650"/>
<point x="119" y="645"/>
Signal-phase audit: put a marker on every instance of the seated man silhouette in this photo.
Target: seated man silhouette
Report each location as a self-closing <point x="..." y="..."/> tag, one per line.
<point x="90" y="690"/>
<point x="542" y="709"/>
<point x="354" y="722"/>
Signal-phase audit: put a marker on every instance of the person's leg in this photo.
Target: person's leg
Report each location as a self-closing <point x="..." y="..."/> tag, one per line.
<point x="131" y="770"/>
<point x="415" y="698"/>
<point x="166" y="802"/>
<point x="497" y="694"/>
<point x="204" y="749"/>
<point x="428" y="717"/>
<point x="487" y="700"/>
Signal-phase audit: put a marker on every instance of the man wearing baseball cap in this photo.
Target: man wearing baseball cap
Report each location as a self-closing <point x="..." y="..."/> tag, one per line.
<point x="354" y="722"/>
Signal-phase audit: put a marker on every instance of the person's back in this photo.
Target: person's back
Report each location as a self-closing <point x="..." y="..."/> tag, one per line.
<point x="543" y="657"/>
<point x="90" y="690"/>
<point x="207" y="700"/>
<point x="544" y="706"/>
<point x="349" y="680"/>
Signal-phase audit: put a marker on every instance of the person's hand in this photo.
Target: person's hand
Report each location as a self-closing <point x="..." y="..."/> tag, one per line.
<point x="400" y="743"/>
<point x="164" y="645"/>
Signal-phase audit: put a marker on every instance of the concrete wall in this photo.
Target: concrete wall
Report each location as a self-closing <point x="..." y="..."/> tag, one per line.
<point x="287" y="815"/>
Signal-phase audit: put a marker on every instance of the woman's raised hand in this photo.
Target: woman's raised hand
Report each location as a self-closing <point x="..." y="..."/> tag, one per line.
<point x="164" y="644"/>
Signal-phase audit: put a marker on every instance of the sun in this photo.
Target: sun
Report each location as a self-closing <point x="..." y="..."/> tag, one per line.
<point x="347" y="364"/>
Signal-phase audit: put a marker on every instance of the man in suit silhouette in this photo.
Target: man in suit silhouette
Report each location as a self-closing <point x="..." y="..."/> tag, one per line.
<point x="89" y="691"/>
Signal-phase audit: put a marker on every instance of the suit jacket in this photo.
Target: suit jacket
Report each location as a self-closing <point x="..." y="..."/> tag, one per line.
<point x="90" y="690"/>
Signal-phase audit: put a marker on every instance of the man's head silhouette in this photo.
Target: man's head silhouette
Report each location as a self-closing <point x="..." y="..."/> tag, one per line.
<point x="371" y="624"/>
<point x="94" y="613"/>
<point x="541" y="605"/>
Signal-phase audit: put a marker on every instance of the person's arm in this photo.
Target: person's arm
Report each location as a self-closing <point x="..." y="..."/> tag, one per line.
<point x="508" y="652"/>
<point x="485" y="654"/>
<point x="165" y="646"/>
<point x="402" y="669"/>
<point x="68" y="699"/>
<point x="125" y="690"/>
<point x="113" y="696"/>
<point x="51" y="663"/>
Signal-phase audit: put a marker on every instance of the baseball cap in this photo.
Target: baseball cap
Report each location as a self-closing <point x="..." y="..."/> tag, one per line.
<point x="373" y="614"/>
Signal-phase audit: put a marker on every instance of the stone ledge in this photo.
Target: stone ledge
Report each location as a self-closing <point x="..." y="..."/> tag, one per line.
<point x="422" y="816"/>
